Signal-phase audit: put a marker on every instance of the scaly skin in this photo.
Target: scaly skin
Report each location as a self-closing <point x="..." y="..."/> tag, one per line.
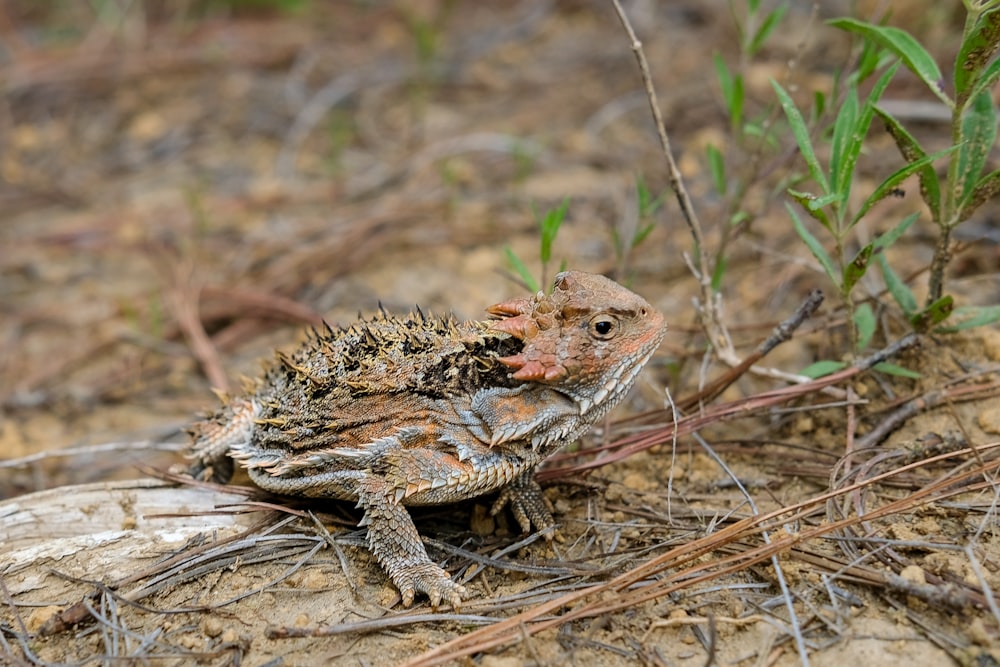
<point x="395" y="412"/>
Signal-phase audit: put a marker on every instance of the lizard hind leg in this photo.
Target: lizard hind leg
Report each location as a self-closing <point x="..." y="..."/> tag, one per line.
<point x="396" y="545"/>
<point x="215" y="439"/>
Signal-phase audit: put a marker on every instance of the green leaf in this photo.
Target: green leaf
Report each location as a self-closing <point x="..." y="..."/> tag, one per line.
<point x="930" y="190"/>
<point x="900" y="292"/>
<point x="821" y="368"/>
<point x="979" y="132"/>
<point x="857" y="267"/>
<point x="886" y="240"/>
<point x="719" y="273"/>
<point x="642" y="194"/>
<point x="815" y="247"/>
<point x="767" y="26"/>
<point x="895" y="178"/>
<point x="756" y="130"/>
<point x="647" y="204"/>
<point x="808" y="202"/>
<point x="549" y="227"/>
<point x="987" y="188"/>
<point x="979" y="45"/>
<point x="969" y="317"/>
<point x="864" y="320"/>
<point x="855" y="141"/>
<point x="819" y="106"/>
<point x="986" y="79"/>
<point x="844" y="129"/>
<point x="816" y="203"/>
<point x="641" y="234"/>
<point x="908" y="49"/>
<point x="801" y="134"/>
<point x="717" y="167"/>
<point x="908" y="146"/>
<point x="893" y="369"/>
<point x="519" y="267"/>
<point x="933" y="313"/>
<point x="849" y="133"/>
<point x="871" y="58"/>
<point x="732" y="91"/>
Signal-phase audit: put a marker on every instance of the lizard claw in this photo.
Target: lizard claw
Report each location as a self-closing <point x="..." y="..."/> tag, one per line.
<point x="431" y="580"/>
<point x="527" y="503"/>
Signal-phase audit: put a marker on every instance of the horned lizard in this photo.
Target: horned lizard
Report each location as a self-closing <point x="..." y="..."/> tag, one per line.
<point x="424" y="410"/>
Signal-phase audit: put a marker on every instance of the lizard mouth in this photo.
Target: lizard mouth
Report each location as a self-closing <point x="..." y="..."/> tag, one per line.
<point x="616" y="385"/>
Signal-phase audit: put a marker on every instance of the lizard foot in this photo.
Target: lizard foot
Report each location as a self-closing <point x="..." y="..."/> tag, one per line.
<point x="219" y="471"/>
<point x="429" y="579"/>
<point x="527" y="503"/>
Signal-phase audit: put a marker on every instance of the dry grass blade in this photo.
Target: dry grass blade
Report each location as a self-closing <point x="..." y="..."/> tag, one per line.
<point x="258" y="302"/>
<point x="184" y="297"/>
<point x="20" y="633"/>
<point x="638" y="585"/>
<point x="378" y="625"/>
<point x="781" y="334"/>
<point x="713" y="327"/>
<point x="624" y="447"/>
<point x="196" y="559"/>
<point x="927" y="401"/>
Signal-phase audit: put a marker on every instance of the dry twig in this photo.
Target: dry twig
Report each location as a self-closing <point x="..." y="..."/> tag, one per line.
<point x="663" y="575"/>
<point x="714" y="328"/>
<point x="632" y="444"/>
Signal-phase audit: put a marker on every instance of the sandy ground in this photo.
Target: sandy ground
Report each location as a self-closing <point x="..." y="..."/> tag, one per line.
<point x="179" y="196"/>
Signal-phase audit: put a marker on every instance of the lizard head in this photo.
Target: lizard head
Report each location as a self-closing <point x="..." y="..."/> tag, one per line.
<point x="588" y="338"/>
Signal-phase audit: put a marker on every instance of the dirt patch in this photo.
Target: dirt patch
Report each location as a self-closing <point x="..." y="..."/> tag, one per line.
<point x="257" y="171"/>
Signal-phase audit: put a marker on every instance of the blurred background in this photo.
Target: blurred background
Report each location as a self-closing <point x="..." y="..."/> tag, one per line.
<point x="185" y="185"/>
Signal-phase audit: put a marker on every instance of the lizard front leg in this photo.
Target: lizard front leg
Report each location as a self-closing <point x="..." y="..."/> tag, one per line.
<point x="526" y="502"/>
<point x="396" y="545"/>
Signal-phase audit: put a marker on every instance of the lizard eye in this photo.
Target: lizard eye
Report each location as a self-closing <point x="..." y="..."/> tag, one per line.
<point x="603" y="326"/>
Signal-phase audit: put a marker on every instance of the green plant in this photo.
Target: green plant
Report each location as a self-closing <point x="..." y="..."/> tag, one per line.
<point x="646" y="206"/>
<point x="950" y="199"/>
<point x="550" y="222"/>
<point x="524" y="161"/>
<point x="966" y="185"/>
<point x="548" y="228"/>
<point x="753" y="28"/>
<point x="751" y="133"/>
<point x="835" y="180"/>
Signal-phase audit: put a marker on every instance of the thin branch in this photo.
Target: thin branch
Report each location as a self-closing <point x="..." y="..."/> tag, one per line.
<point x="632" y="444"/>
<point x="927" y="401"/>
<point x="717" y="336"/>
<point x="786" y="593"/>
<point x="780" y="334"/>
<point x="651" y="580"/>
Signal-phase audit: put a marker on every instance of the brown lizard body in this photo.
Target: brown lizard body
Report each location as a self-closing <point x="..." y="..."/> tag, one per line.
<point x="395" y="412"/>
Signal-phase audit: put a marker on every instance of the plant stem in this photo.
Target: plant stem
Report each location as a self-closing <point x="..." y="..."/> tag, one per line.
<point x="942" y="255"/>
